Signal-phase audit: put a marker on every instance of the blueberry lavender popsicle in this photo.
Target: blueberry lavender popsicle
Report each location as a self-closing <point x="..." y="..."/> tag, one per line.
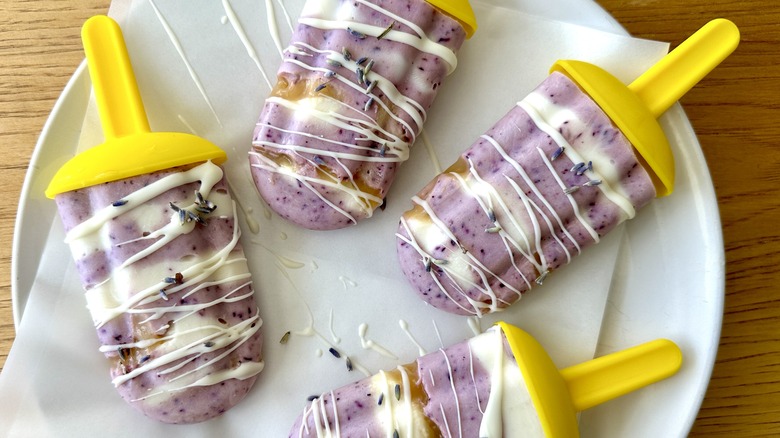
<point x="351" y="97"/>
<point x="550" y="178"/>
<point x="169" y="290"/>
<point x="152" y="228"/>
<point x="464" y="390"/>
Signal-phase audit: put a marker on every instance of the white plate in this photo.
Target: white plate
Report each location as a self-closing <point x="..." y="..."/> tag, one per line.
<point x="668" y="280"/>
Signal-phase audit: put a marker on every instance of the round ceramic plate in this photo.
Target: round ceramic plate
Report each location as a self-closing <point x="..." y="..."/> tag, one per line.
<point x="660" y="275"/>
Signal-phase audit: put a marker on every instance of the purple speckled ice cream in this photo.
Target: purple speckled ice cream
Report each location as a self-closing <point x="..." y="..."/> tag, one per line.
<point x="471" y="389"/>
<point x="169" y="290"/>
<point x="550" y="178"/>
<point x="352" y="94"/>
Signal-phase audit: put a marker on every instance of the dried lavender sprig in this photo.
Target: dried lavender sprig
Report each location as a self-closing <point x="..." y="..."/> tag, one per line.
<point x="386" y="31"/>
<point x="368" y="104"/>
<point x="334" y="63"/>
<point x="539" y="280"/>
<point x="558" y="152"/>
<point x="367" y="69"/>
<point x="370" y="87"/>
<point x="361" y="76"/>
<point x="355" y="33"/>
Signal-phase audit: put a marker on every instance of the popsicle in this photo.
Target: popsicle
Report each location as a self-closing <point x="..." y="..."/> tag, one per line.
<point x="498" y="384"/>
<point x="151" y="227"/>
<point x="352" y="94"/>
<point x="575" y="158"/>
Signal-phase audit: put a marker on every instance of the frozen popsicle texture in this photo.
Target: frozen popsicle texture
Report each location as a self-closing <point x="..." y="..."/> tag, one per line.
<point x="547" y="180"/>
<point x="169" y="290"/>
<point x="471" y="389"/>
<point x="352" y="94"/>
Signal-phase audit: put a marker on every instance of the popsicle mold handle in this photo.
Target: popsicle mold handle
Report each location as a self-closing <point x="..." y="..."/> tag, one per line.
<point x="460" y="10"/>
<point x="605" y="378"/>
<point x="548" y="391"/>
<point x="118" y="99"/>
<point x="676" y="73"/>
<point x="130" y="148"/>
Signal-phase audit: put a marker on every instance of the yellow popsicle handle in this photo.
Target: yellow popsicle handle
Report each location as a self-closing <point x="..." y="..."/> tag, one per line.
<point x="460" y="10"/>
<point x="674" y="75"/>
<point x="130" y="148"/>
<point x="548" y="391"/>
<point x="118" y="99"/>
<point x="607" y="377"/>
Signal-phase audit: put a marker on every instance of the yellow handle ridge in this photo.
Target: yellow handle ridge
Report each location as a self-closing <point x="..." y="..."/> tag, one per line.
<point x="605" y="378"/>
<point x="118" y="99"/>
<point x="674" y="75"/>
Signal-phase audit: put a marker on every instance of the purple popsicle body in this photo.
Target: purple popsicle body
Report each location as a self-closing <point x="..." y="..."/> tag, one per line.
<point x="547" y="180"/>
<point x="471" y="389"/>
<point x="351" y="97"/>
<point x="169" y="290"/>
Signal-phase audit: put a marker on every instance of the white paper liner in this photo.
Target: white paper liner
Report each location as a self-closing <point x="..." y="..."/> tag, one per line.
<point x="56" y="383"/>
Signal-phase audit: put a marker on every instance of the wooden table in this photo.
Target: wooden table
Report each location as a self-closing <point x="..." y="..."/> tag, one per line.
<point x="733" y="111"/>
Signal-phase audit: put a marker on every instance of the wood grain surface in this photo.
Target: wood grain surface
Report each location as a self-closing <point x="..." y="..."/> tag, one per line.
<point x="734" y="111"/>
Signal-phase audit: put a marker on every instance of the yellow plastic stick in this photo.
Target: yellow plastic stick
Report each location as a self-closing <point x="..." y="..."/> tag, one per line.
<point x="130" y="148"/>
<point x="605" y="378"/>
<point x="559" y="395"/>
<point x="118" y="99"/>
<point x="676" y="73"/>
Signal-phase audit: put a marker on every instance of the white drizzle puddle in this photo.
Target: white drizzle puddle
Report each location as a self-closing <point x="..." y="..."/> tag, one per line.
<point x="475" y="325"/>
<point x="431" y="153"/>
<point x="253" y="225"/>
<point x="405" y="327"/>
<point x="273" y="28"/>
<point x="245" y="40"/>
<point x="333" y="335"/>
<point x="286" y="15"/>
<point x="187" y="125"/>
<point x="346" y="282"/>
<point x="223" y="19"/>
<point x="438" y="333"/>
<point x="180" y="50"/>
<point x="283" y="261"/>
<point x="369" y="344"/>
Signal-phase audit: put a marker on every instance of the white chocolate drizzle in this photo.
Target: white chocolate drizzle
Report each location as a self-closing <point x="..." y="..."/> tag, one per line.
<point x="250" y="50"/>
<point x="132" y="290"/>
<point x="180" y="50"/>
<point x="522" y="216"/>
<point x="508" y="410"/>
